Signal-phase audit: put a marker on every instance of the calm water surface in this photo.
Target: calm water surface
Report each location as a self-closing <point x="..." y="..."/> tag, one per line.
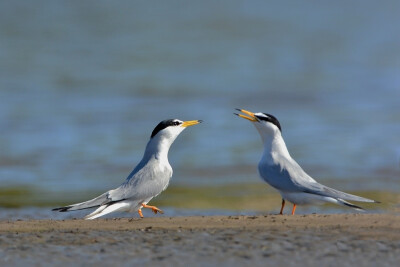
<point x="83" y="84"/>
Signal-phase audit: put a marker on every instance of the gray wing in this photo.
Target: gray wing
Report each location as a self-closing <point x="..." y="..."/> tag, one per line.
<point x="147" y="182"/>
<point x="290" y="177"/>
<point x="98" y="201"/>
<point x="320" y="189"/>
<point x="143" y="183"/>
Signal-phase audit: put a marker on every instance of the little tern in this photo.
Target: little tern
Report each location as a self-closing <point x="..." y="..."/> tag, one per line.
<point x="282" y="172"/>
<point x="148" y="179"/>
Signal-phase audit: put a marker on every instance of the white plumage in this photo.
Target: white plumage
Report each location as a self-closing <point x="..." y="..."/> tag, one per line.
<point x="282" y="172"/>
<point x="148" y="179"/>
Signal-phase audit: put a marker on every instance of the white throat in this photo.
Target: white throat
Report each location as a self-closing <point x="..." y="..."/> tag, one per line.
<point x="158" y="147"/>
<point x="274" y="145"/>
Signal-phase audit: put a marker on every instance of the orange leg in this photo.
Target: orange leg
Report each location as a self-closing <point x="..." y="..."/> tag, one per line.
<point x="283" y="205"/>
<point x="140" y="212"/>
<point x="294" y="209"/>
<point x="153" y="208"/>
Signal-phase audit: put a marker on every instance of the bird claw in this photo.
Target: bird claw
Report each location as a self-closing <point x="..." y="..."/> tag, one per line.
<point x="140" y="213"/>
<point x="156" y="210"/>
<point x="153" y="208"/>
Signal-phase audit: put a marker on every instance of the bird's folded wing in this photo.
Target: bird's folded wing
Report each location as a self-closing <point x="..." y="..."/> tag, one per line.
<point x="308" y="185"/>
<point x="322" y="190"/>
<point x="98" y="201"/>
<point x="144" y="184"/>
<point x="290" y="177"/>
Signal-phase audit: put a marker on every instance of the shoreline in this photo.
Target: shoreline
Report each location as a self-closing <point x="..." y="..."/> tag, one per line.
<point x="382" y="226"/>
<point x="365" y="239"/>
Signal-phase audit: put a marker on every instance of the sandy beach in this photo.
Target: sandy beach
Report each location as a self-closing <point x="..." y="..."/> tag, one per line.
<point x="345" y="239"/>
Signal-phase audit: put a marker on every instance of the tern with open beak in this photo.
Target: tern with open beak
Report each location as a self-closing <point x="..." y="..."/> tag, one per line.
<point x="282" y="172"/>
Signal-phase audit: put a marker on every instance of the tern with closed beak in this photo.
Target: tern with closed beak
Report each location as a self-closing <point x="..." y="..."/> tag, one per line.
<point x="282" y="172"/>
<point x="148" y="179"/>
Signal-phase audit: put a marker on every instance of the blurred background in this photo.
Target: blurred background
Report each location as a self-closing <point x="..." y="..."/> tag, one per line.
<point x="83" y="84"/>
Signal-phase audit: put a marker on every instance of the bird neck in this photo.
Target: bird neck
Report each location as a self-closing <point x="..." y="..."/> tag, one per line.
<point x="274" y="145"/>
<point x="158" y="148"/>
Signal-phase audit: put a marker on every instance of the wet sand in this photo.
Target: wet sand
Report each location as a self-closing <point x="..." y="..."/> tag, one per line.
<point x="345" y="239"/>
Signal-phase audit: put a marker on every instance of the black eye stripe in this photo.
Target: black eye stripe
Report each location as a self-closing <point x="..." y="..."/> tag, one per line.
<point x="164" y="124"/>
<point x="270" y="118"/>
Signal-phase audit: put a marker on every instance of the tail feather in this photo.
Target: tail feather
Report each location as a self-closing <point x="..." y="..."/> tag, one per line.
<point x="108" y="208"/>
<point x="98" y="201"/>
<point x="96" y="212"/>
<point x="348" y="204"/>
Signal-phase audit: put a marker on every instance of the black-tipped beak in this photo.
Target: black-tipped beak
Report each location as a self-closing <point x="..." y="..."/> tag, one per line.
<point x="250" y="117"/>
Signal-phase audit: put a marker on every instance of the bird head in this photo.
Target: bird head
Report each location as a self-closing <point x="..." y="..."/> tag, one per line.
<point x="265" y="123"/>
<point x="170" y="129"/>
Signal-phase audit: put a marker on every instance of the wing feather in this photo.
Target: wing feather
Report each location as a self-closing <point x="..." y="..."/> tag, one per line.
<point x="290" y="177"/>
<point x="143" y="183"/>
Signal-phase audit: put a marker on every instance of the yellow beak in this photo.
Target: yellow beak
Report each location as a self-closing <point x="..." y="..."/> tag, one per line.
<point x="190" y="123"/>
<point x="251" y="116"/>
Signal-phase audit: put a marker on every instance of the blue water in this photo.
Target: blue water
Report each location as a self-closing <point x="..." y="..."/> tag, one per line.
<point x="83" y="84"/>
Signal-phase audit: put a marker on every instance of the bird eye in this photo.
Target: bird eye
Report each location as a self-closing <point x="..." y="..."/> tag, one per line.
<point x="176" y="123"/>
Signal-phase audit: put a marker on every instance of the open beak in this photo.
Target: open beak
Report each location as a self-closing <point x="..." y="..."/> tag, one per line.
<point x="250" y="117"/>
<point x="190" y="123"/>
